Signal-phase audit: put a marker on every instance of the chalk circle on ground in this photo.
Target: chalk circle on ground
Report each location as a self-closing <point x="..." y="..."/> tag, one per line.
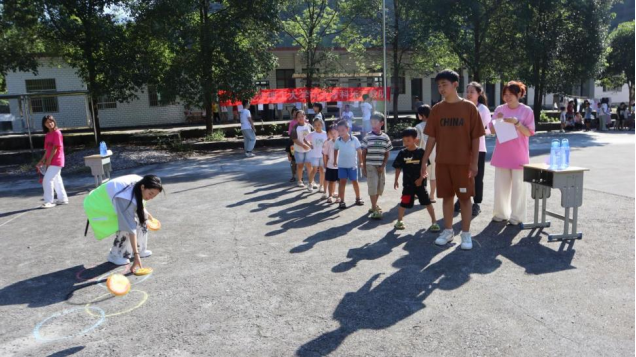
<point x="100" y="313"/>
<point x="124" y="270"/>
<point x="105" y="297"/>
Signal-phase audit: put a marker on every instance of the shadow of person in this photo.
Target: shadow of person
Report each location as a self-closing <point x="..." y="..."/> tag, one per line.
<point x="49" y="288"/>
<point x="67" y="352"/>
<point x="403" y="293"/>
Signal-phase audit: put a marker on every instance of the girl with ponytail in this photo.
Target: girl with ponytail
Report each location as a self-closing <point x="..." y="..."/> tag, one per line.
<point x="128" y="195"/>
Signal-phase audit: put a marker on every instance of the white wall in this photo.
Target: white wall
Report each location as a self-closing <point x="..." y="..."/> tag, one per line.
<point x="72" y="111"/>
<point x="616" y="97"/>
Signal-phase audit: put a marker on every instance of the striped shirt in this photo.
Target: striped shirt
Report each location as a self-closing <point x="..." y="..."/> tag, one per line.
<point x="376" y="145"/>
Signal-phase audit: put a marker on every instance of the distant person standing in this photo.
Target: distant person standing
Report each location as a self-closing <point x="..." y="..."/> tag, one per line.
<point x="417" y="103"/>
<point x="248" y="129"/>
<point x="367" y="109"/>
<point x="318" y="111"/>
<point x="510" y="156"/>
<point x="52" y="164"/>
<point x="475" y="93"/>
<point x="604" y="115"/>
<point x="587" y="114"/>
<point x="347" y="115"/>
<point x="215" y="113"/>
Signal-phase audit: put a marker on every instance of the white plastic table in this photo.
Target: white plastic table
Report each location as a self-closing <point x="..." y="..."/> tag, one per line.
<point x="100" y="167"/>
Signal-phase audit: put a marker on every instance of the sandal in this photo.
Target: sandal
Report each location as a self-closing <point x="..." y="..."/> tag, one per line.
<point x="342" y="205"/>
<point x="399" y="225"/>
<point x="359" y="202"/>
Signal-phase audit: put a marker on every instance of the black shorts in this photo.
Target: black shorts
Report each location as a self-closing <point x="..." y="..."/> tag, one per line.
<point x="331" y="175"/>
<point x="408" y="196"/>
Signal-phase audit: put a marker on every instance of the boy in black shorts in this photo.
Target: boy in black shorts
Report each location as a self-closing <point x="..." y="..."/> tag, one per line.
<point x="409" y="160"/>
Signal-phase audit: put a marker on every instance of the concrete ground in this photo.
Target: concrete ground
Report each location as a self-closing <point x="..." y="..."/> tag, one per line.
<point x="249" y="265"/>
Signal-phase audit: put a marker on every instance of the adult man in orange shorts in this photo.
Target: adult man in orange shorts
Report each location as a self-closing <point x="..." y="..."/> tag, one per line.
<point x="455" y="127"/>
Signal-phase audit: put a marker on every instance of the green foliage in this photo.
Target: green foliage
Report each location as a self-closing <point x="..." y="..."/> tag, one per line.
<point x="545" y="118"/>
<point x="217" y="135"/>
<point x="395" y="129"/>
<point x="561" y="43"/>
<point x="173" y="144"/>
<point x="619" y="66"/>
<point x="479" y="32"/>
<point x="210" y="46"/>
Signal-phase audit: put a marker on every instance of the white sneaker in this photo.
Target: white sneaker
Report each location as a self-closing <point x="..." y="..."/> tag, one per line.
<point x="445" y="237"/>
<point x="48" y="205"/>
<point x="310" y="188"/>
<point x="498" y="219"/>
<point x="513" y="222"/>
<point x="61" y="203"/>
<point x="300" y="184"/>
<point x="118" y="260"/>
<point x="145" y="254"/>
<point x="247" y="154"/>
<point x="324" y="196"/>
<point x="314" y="186"/>
<point x="467" y="241"/>
<point x="252" y="154"/>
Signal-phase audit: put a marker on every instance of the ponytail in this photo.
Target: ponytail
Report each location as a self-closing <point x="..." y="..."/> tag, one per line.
<point x="149" y="182"/>
<point x="483" y="99"/>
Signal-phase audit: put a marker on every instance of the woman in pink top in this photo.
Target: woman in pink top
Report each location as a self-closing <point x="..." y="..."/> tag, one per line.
<point x="52" y="164"/>
<point x="509" y="157"/>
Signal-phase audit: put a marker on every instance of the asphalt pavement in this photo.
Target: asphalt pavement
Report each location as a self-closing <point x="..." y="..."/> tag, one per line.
<point x="247" y="264"/>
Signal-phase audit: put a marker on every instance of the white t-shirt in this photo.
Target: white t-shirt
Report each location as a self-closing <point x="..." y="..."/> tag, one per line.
<point x="486" y="118"/>
<point x="328" y="149"/>
<point x="420" y="135"/>
<point x="317" y="140"/>
<point x="366" y="110"/>
<point x="348" y="116"/>
<point x="245" y="119"/>
<point x="302" y="131"/>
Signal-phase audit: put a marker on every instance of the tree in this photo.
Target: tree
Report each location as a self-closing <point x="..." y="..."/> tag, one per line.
<point x="562" y="43"/>
<point x="315" y="26"/>
<point x="413" y="43"/>
<point x="619" y="66"/>
<point x="209" y="47"/>
<point x="19" y="43"/>
<point x="478" y="32"/>
<point x="92" y="39"/>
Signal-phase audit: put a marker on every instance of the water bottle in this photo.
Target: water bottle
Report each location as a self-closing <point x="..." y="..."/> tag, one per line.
<point x="103" y="150"/>
<point x="555" y="154"/>
<point x="565" y="154"/>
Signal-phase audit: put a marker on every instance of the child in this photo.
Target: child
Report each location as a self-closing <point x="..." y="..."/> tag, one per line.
<point x="347" y="115"/>
<point x="317" y="139"/>
<point x="331" y="176"/>
<point x="564" y="118"/>
<point x="375" y="154"/>
<point x="292" y="161"/>
<point x="301" y="146"/>
<point x="455" y="127"/>
<point x="423" y="112"/>
<point x="409" y="160"/>
<point x="347" y="154"/>
<point x="318" y="111"/>
<point x="52" y="163"/>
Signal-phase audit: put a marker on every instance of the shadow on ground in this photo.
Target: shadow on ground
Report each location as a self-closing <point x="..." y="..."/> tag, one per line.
<point x="403" y="293"/>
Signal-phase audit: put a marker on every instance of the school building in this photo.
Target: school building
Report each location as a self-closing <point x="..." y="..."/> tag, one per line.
<point x="147" y="110"/>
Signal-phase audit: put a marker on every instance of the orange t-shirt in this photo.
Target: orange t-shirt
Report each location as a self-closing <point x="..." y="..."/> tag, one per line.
<point x="454" y="126"/>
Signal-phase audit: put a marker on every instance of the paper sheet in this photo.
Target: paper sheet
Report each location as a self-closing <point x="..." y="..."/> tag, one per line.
<point x="279" y="106"/>
<point x="339" y="104"/>
<point x="299" y="105"/>
<point x="224" y="109"/>
<point x="260" y="107"/>
<point x="505" y="131"/>
<point x="356" y="104"/>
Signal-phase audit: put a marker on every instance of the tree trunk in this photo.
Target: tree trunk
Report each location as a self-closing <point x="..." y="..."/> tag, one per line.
<point x="477" y="44"/>
<point x="630" y="85"/>
<point x="395" y="91"/>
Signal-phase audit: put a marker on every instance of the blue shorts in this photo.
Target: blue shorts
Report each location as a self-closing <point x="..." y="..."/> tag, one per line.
<point x="351" y="174"/>
<point x="317" y="162"/>
<point x="301" y="157"/>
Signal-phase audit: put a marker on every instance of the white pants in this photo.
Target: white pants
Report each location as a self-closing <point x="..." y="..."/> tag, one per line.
<point x="53" y="180"/>
<point x="510" y="195"/>
<point x="122" y="248"/>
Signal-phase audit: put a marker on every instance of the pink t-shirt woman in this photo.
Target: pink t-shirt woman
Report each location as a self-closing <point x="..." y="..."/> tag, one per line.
<point x="52" y="140"/>
<point x="515" y="153"/>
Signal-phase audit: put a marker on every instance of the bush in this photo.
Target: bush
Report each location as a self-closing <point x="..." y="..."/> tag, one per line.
<point x="545" y="118"/>
<point x="217" y="135"/>
<point x="173" y="145"/>
<point x="395" y="129"/>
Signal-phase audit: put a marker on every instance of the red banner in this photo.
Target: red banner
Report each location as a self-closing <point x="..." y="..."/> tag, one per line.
<point x="316" y="95"/>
